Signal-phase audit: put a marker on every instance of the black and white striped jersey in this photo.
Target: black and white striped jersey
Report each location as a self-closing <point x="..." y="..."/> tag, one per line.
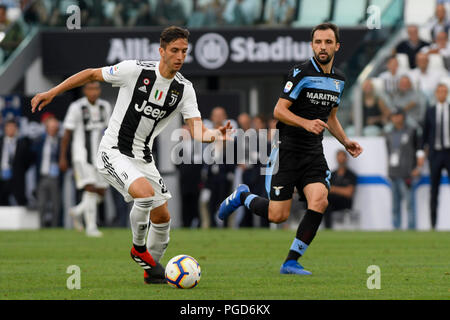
<point x="146" y="103"/>
<point x="88" y="123"/>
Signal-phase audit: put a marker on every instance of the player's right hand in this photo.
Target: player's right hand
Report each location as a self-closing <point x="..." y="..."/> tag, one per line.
<point x="315" y="126"/>
<point x="40" y="100"/>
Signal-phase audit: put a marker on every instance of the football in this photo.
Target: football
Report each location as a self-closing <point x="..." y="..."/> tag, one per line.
<point x="183" y="272"/>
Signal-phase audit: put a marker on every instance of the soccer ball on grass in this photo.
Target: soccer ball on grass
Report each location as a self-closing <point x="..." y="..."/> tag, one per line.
<point x="183" y="272"/>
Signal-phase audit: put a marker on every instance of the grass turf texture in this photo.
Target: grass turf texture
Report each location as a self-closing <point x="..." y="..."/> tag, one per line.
<point x="236" y="264"/>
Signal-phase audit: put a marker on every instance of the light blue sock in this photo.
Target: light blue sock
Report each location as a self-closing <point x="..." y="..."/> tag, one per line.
<point x="299" y="246"/>
<point x="248" y="200"/>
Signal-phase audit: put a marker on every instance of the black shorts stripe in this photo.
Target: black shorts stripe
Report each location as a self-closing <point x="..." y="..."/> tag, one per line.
<point x="111" y="170"/>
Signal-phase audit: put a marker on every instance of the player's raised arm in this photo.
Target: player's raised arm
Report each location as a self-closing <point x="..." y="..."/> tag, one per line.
<point x="200" y="133"/>
<point x="42" y="99"/>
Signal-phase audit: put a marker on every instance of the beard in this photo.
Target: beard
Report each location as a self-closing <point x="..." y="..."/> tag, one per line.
<point x="324" y="61"/>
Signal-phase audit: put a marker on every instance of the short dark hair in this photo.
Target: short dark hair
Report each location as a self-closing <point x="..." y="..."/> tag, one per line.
<point x="326" y="26"/>
<point x="172" y="33"/>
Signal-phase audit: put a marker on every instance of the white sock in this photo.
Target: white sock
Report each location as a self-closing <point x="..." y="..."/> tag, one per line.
<point x="81" y="206"/>
<point x="158" y="239"/>
<point x="90" y="210"/>
<point x="139" y="219"/>
<point x="99" y="198"/>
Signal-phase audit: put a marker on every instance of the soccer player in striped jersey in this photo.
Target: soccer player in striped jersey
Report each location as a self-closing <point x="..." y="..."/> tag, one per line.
<point x="84" y="124"/>
<point x="151" y="94"/>
<point x="307" y="106"/>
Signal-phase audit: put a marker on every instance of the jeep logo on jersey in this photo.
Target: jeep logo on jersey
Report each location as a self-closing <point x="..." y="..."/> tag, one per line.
<point x="211" y="50"/>
<point x="151" y="111"/>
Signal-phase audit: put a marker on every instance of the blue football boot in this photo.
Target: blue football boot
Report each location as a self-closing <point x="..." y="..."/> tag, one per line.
<point x="232" y="202"/>
<point x="293" y="267"/>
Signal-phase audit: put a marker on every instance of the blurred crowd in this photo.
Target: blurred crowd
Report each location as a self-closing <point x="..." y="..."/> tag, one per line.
<point x="204" y="184"/>
<point x="190" y="13"/>
<point x="17" y="17"/>
<point x="400" y="104"/>
<point x="410" y="77"/>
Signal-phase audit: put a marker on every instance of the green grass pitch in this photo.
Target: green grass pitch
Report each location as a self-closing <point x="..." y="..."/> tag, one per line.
<point x="236" y="264"/>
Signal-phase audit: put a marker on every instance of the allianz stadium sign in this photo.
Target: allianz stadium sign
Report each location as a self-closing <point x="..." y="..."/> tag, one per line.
<point x="211" y="52"/>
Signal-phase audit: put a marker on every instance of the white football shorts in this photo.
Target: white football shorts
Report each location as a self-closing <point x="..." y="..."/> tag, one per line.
<point x="86" y="173"/>
<point x="120" y="171"/>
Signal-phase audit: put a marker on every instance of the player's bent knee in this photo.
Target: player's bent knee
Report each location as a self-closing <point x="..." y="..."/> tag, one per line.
<point x="278" y="216"/>
<point x="141" y="188"/>
<point x="319" y="205"/>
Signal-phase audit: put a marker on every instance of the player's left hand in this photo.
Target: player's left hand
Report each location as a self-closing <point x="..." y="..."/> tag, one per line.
<point x="226" y="131"/>
<point x="353" y="148"/>
<point x="40" y="100"/>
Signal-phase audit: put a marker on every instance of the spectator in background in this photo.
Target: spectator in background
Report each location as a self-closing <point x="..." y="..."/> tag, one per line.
<point x="375" y="110"/>
<point x="143" y="16"/>
<point x="441" y="46"/>
<point x="92" y="12"/>
<point x="280" y="12"/>
<point x="128" y="12"/>
<point x="436" y="140"/>
<point x="241" y="12"/>
<point x="170" y="12"/>
<point x="402" y="144"/>
<point x="4" y="21"/>
<point x="207" y="13"/>
<point x="259" y="123"/>
<point x="423" y="78"/>
<point x="13" y="34"/>
<point x="36" y="13"/>
<point x="342" y="189"/>
<point x="247" y="169"/>
<point x="219" y="174"/>
<point x="190" y="178"/>
<point x="411" y="101"/>
<point x="439" y="22"/>
<point x="46" y="149"/>
<point x="16" y="158"/>
<point x="411" y="46"/>
<point x="446" y="4"/>
<point x="391" y="76"/>
<point x="244" y="121"/>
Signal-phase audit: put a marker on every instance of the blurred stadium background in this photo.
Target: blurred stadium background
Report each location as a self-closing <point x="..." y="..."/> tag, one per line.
<point x="240" y="52"/>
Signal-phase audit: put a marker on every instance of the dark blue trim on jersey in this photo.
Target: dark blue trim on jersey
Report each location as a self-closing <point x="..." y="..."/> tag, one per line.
<point x="315" y="65"/>
<point x="317" y="82"/>
<point x="317" y="68"/>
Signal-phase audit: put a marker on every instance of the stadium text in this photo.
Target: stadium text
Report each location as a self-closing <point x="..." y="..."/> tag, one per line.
<point x="212" y="50"/>
<point x="283" y="49"/>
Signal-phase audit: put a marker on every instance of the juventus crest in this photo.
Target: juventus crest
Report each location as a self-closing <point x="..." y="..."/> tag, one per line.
<point x="173" y="97"/>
